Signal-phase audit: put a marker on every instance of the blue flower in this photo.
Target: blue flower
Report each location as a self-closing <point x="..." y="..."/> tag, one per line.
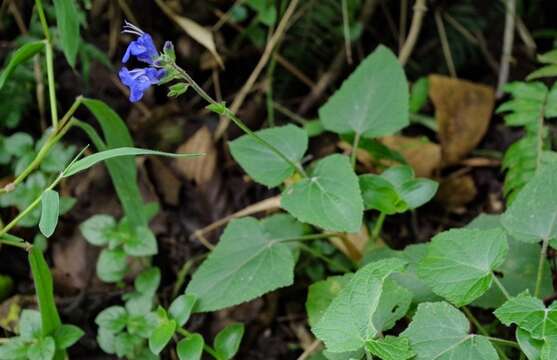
<point x="139" y="80"/>
<point x="143" y="48"/>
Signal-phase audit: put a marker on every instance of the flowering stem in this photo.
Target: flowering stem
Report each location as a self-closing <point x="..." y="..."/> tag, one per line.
<point x="236" y="120"/>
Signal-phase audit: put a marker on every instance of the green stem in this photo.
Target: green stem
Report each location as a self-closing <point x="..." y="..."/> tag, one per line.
<point x="23" y="245"/>
<point x="54" y="137"/>
<point x="378" y="226"/>
<point x="503" y="342"/>
<point x="311" y="237"/>
<point x="501" y="286"/>
<point x="42" y="18"/>
<point x="543" y="255"/>
<point x="206" y="347"/>
<point x="481" y="329"/>
<point x="236" y="120"/>
<point x="355" y="145"/>
<point x="51" y="84"/>
<point x="332" y="263"/>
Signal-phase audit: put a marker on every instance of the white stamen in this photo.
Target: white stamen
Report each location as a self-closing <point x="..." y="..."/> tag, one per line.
<point x="130" y="28"/>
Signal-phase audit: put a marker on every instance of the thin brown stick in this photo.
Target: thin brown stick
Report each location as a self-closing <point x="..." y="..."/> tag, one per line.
<point x="420" y="9"/>
<point x="445" y="44"/>
<point x="310" y="350"/>
<point x="508" y="39"/>
<point x="271" y="44"/>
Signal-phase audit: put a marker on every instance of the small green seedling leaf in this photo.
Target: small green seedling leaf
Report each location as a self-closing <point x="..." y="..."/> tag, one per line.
<point x="67" y="18"/>
<point x="419" y="95"/>
<point x="396" y="190"/>
<point x="94" y="159"/>
<point x="142" y="325"/>
<point x="106" y="340"/>
<point x="347" y="324"/>
<point x="373" y="101"/>
<point x="261" y="163"/>
<point x="190" y="348"/>
<point x="161" y="336"/>
<point x="391" y="348"/>
<point x="141" y="243"/>
<point x="30" y="325"/>
<point x="329" y="198"/>
<point x="98" y="229"/>
<point x="181" y="308"/>
<point x="113" y="319"/>
<point x="532" y="216"/>
<point x="249" y="261"/>
<point x="227" y="342"/>
<point x="42" y="349"/>
<point x="15" y="348"/>
<point x="125" y="344"/>
<point x="21" y="55"/>
<point x="50" y="210"/>
<point x="439" y="331"/>
<point x="148" y="281"/>
<point x="67" y="335"/>
<point x="112" y="265"/>
<point x="459" y="264"/>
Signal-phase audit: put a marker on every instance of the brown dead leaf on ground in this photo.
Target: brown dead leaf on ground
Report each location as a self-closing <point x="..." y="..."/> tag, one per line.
<point x="421" y="154"/>
<point x="455" y="192"/>
<point x="463" y="111"/>
<point x="74" y="263"/>
<point x="199" y="169"/>
<point x="165" y="181"/>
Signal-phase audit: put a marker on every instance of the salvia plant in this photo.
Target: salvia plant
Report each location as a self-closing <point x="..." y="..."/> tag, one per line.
<point x="392" y="305"/>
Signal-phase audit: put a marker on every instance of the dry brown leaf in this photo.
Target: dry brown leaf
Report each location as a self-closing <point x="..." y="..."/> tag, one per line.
<point x="352" y="245"/>
<point x="420" y="153"/>
<point x="199" y="169"/>
<point x="74" y="263"/>
<point x="165" y="181"/>
<point x="200" y="34"/>
<point x="463" y="111"/>
<point x="456" y="192"/>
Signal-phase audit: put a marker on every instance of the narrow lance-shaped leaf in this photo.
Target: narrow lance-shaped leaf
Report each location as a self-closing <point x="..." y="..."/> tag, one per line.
<point x="438" y="331"/>
<point x="21" y="55"/>
<point x="459" y="264"/>
<point x="91" y="160"/>
<point x="68" y="26"/>
<point x="50" y="203"/>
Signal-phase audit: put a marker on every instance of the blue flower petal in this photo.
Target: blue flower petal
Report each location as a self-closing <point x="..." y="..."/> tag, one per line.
<point x="143" y="48"/>
<point x="139" y="80"/>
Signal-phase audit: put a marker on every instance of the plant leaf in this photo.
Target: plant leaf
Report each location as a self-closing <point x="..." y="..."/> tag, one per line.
<point x="519" y="271"/>
<point x="42" y="279"/>
<point x="21" y="55"/>
<point x="67" y="335"/>
<point x="321" y="294"/>
<point x="91" y="160"/>
<point x="394" y="303"/>
<point x="373" y="101"/>
<point x="530" y="347"/>
<point x="42" y="349"/>
<point x="347" y="324"/>
<point x="330" y="198"/>
<point x="190" y="348"/>
<point x="112" y="265"/>
<point x="148" y="281"/>
<point x="391" y="348"/>
<point x="439" y="331"/>
<point x="532" y="216"/>
<point x="14" y="349"/>
<point x="30" y="325"/>
<point x="249" y="260"/>
<point x="161" y="336"/>
<point x="98" y="228"/>
<point x="227" y="342"/>
<point x="181" y="308"/>
<point x="261" y="163"/>
<point x="50" y="210"/>
<point x="68" y="26"/>
<point x="113" y="319"/>
<point x="459" y="264"/>
<point x="141" y="243"/>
